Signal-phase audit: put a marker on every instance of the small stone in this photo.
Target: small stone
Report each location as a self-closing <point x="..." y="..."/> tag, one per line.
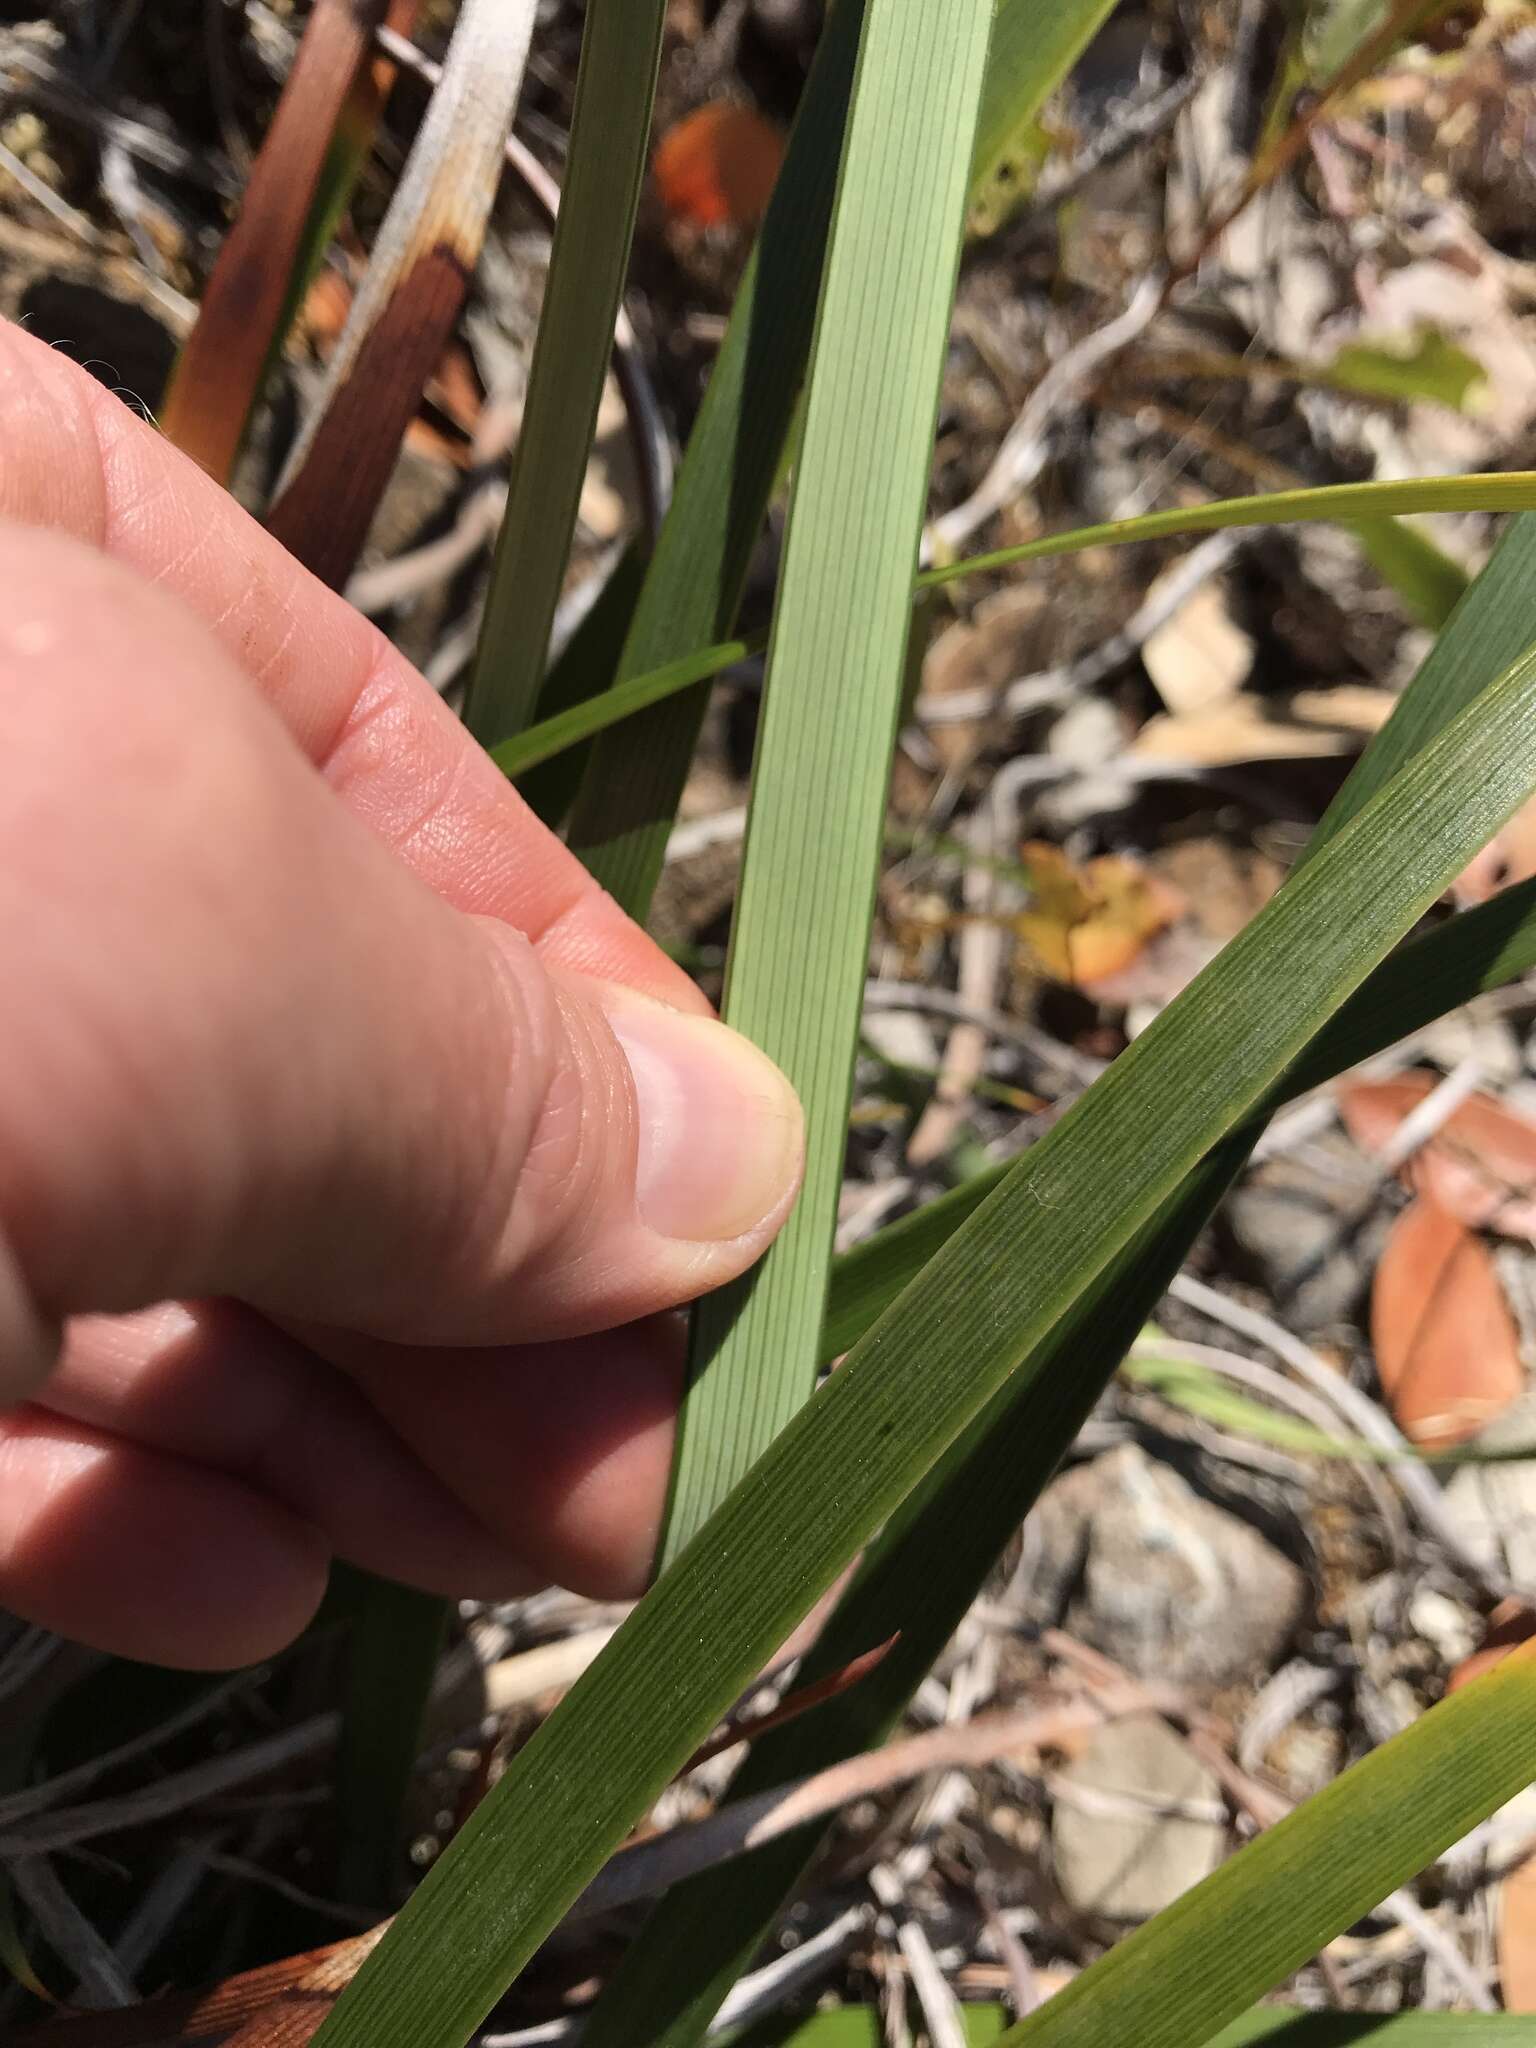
<point x="1494" y="1506"/>
<point x="1137" y="1820"/>
<point x="1313" y="1224"/>
<point x="1163" y="1581"/>
<point x="1442" y="1623"/>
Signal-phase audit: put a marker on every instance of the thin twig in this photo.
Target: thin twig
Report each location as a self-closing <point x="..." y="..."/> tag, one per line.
<point x="1418" y="1487"/>
<point x="170" y="1795"/>
<point x="101" y="1978"/>
<point x="1022" y="454"/>
<point x="1049" y="688"/>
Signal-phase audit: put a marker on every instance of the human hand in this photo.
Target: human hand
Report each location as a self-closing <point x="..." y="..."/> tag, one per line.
<point x="340" y="1112"/>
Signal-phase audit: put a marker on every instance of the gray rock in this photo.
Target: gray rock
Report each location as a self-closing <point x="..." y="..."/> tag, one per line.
<point x="1312" y="1223"/>
<point x="1494" y="1506"/>
<point x="1136" y="1563"/>
<point x="1137" y="1820"/>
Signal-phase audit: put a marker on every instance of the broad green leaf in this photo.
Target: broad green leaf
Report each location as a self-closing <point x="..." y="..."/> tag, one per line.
<point x="1491" y="627"/>
<point x="1437" y="584"/>
<point x="923" y="1571"/>
<point x="1119" y="1161"/>
<point x="1203" y="1960"/>
<point x="634" y="780"/>
<point x="610" y="127"/>
<point x="1479" y="950"/>
<point x="800" y="938"/>
<point x="630" y="797"/>
<point x="583" y="669"/>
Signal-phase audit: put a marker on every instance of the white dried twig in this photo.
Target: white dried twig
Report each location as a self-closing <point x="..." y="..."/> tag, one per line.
<point x="101" y="1979"/>
<point x="1022" y="455"/>
<point x="1363" y="1415"/>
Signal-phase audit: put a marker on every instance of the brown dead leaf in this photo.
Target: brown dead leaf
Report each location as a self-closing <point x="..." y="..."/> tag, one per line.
<point x="1480" y="1165"/>
<point x="1088" y="923"/>
<point x="717" y="166"/>
<point x="1201" y="655"/>
<point x="1446" y="1346"/>
<point x="1233" y="729"/>
<point x="1517" y="1938"/>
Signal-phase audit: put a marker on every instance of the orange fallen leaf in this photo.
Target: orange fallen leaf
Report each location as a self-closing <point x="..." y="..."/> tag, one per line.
<point x="1480" y="1165"/>
<point x="1447" y="1350"/>
<point x="1511" y="1623"/>
<point x="1091" y="921"/>
<point x="717" y="166"/>
<point x="1517" y="1938"/>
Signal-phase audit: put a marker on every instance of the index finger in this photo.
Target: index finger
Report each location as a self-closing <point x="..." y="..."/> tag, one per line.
<point x="74" y="458"/>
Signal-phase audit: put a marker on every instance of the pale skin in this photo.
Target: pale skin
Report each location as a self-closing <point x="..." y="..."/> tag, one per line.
<point x="353" y="1144"/>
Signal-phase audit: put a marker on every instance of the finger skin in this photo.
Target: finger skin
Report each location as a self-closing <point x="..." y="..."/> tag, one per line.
<point x="247" y="1027"/>
<point x="75" y="460"/>
<point x="148" y="1556"/>
<point x="480" y="1473"/>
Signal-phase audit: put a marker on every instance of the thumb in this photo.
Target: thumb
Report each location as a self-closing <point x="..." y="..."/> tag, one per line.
<point x="245" y="1051"/>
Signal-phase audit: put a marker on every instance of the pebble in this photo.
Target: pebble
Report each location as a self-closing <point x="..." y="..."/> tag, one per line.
<point x="1133" y="1561"/>
<point x="1119" y="1851"/>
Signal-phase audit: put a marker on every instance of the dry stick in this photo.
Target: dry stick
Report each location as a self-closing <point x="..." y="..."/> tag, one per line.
<point x="1262" y="1379"/>
<point x="221" y="367"/>
<point x="983" y="949"/>
<point x="1368" y="1420"/>
<point x="410" y="296"/>
<point x="941" y="2009"/>
<point x="751" y="1998"/>
<point x="170" y="1795"/>
<point x="648" y="430"/>
<point x="1050" y="687"/>
<point x="304" y="1987"/>
<point x="655" y="1865"/>
<point x="100" y="1977"/>
<point x="1404" y="17"/>
<point x="15" y="1806"/>
<point x="1142" y="120"/>
<point x="1021" y="456"/>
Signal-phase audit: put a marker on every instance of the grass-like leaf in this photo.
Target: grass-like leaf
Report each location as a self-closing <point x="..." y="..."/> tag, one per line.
<point x="1481" y="949"/>
<point x="836" y="667"/>
<point x="735" y="453"/>
<point x="621" y="49"/>
<point x="1033" y="49"/>
<point x="1202" y="1961"/>
<point x="925" y="1568"/>
<point x="630" y="794"/>
<point x="1364" y="506"/>
<point x="1001" y="1286"/>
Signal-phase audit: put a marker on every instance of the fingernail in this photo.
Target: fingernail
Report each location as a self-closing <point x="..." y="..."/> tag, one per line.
<point x="720" y="1127"/>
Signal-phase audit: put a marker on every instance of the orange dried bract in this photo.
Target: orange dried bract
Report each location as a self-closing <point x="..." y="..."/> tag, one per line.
<point x="1446" y="1346"/>
<point x="716" y="167"/>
